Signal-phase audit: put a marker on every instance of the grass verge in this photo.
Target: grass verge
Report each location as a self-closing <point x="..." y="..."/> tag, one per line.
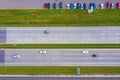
<point x="57" y="46"/>
<point x="59" y="70"/>
<point x="59" y="17"/>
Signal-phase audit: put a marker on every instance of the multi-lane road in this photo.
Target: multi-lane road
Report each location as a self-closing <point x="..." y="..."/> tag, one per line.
<point x="59" y="78"/>
<point x="60" y="57"/>
<point x="60" y="35"/>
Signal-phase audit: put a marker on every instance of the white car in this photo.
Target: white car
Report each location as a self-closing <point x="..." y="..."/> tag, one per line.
<point x="68" y="6"/>
<point x="75" y="6"/>
<point x="81" y="6"/>
<point x="112" y="6"/>
<point x="84" y="51"/>
<point x="101" y="6"/>
<point x="16" y="56"/>
<point x="42" y="52"/>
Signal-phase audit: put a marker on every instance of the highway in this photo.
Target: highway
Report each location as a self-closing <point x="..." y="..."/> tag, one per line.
<point x="60" y="57"/>
<point x="38" y="4"/>
<point x="59" y="78"/>
<point x="62" y="35"/>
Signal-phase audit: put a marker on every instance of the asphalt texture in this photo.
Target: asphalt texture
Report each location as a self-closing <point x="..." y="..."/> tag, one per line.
<point x="61" y="35"/>
<point x="64" y="57"/>
<point x="2" y="53"/>
<point x="39" y="4"/>
<point x="2" y="35"/>
<point x="59" y="78"/>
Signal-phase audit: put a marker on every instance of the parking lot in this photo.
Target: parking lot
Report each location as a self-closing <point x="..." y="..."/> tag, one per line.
<point x="38" y="4"/>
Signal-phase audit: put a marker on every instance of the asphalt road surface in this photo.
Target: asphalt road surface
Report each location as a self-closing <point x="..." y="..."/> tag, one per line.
<point x="59" y="78"/>
<point x="60" y="35"/>
<point x="38" y="4"/>
<point x="64" y="57"/>
<point x="2" y="35"/>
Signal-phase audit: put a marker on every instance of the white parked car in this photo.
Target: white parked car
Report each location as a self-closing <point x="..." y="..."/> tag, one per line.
<point x="101" y="6"/>
<point x="112" y="6"/>
<point x="68" y="6"/>
<point x="75" y="6"/>
<point x="84" y="51"/>
<point x="81" y="7"/>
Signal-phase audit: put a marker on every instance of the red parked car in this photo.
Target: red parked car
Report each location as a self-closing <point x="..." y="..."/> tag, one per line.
<point x="118" y="5"/>
<point x="108" y="5"/>
<point x="45" y="6"/>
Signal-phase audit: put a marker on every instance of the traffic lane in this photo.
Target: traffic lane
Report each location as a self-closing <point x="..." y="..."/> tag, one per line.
<point x="71" y="30"/>
<point x="59" y="78"/>
<point x="63" y="57"/>
<point x="62" y="54"/>
<point x="64" y="60"/>
<point x="64" y="35"/>
<point x="70" y="53"/>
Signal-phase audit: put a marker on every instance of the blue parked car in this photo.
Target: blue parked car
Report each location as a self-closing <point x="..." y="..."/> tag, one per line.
<point x="78" y="6"/>
<point x="84" y="6"/>
<point x="94" y="6"/>
<point x="48" y="5"/>
<point x="54" y="5"/>
<point x="71" y="6"/>
<point x="91" y="5"/>
<point x="60" y="5"/>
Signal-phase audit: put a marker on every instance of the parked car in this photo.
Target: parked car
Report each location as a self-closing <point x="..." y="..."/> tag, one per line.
<point x="108" y="5"/>
<point x="84" y="6"/>
<point x="54" y="5"/>
<point x="81" y="6"/>
<point x="101" y="6"/>
<point x="78" y="5"/>
<point x="91" y="5"/>
<point x="45" y="6"/>
<point x="71" y="6"/>
<point x="68" y="6"/>
<point x="60" y="5"/>
<point x="112" y="6"/>
<point x="48" y="5"/>
<point x="75" y="5"/>
<point x="118" y="5"/>
<point x="94" y="5"/>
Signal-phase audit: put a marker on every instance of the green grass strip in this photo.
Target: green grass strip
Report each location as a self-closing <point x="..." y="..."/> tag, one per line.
<point x="60" y="17"/>
<point x="57" y="46"/>
<point x="59" y="70"/>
